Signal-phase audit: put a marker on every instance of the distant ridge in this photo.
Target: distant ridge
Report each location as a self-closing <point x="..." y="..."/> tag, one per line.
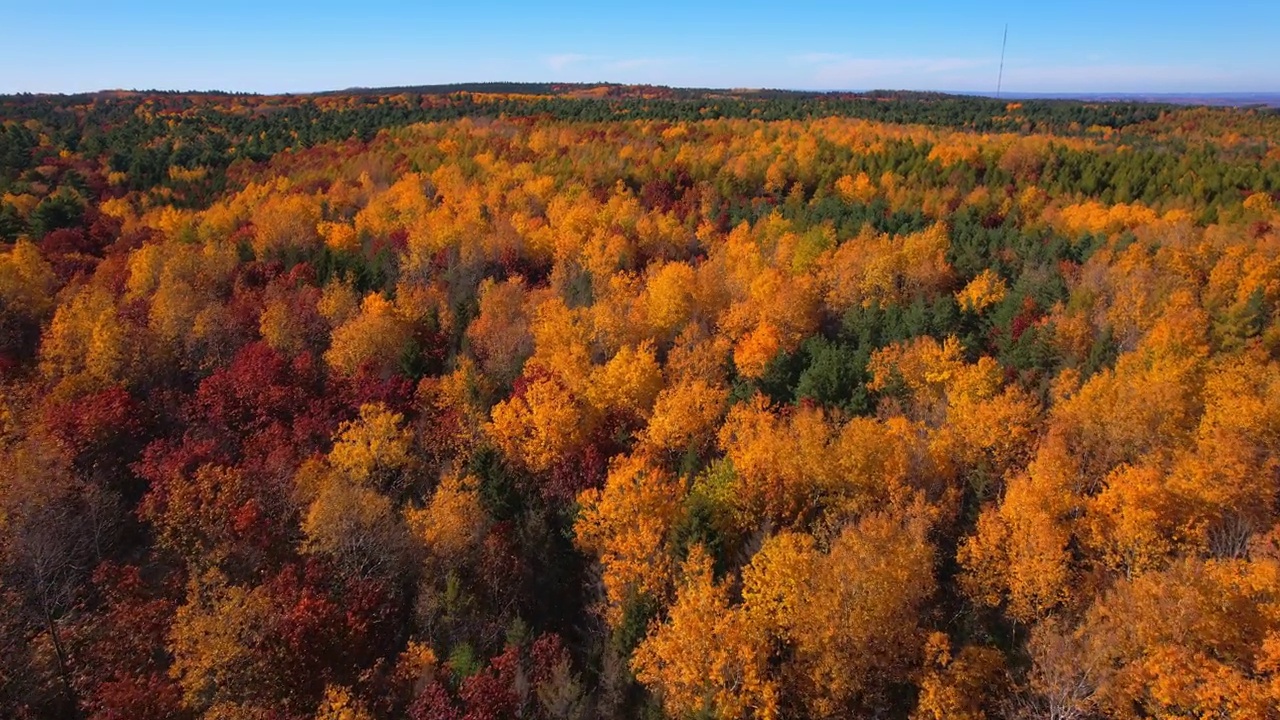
<point x="619" y="91"/>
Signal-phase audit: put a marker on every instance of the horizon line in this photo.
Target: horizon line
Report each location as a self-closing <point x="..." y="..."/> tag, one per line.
<point x="1024" y="94"/>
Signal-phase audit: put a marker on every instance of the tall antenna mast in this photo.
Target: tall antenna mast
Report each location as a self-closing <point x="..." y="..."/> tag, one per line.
<point x="1003" y="44"/>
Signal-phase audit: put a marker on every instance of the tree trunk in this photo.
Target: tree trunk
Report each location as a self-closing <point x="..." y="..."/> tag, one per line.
<point x="63" y="671"/>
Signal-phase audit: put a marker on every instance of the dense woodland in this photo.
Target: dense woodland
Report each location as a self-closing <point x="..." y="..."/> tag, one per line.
<point x="570" y="402"/>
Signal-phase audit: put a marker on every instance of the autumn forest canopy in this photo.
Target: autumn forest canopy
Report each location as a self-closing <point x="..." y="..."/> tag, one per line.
<point x="565" y="401"/>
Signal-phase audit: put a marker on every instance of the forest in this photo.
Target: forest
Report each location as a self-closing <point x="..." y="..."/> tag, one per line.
<point x="563" y="401"/>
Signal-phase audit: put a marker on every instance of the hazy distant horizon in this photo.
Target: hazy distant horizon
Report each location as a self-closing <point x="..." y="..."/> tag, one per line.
<point x="1222" y="98"/>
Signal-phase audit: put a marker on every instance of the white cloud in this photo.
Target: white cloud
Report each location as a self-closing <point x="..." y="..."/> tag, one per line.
<point x="818" y="58"/>
<point x="1093" y="74"/>
<point x="837" y="70"/>
<point x="870" y="68"/>
<point x="640" y="63"/>
<point x="577" y="67"/>
<point x="1115" y="77"/>
<point x="564" y="60"/>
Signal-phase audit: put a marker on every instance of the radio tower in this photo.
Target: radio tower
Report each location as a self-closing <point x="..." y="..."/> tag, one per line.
<point x="1003" y="44"/>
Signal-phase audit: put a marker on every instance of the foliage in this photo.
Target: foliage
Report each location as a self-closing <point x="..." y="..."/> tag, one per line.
<point x="566" y="401"/>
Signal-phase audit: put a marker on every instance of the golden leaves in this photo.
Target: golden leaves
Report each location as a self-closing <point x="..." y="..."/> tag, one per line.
<point x="356" y="526"/>
<point x="338" y="303"/>
<point x="87" y="339"/>
<point x="211" y="640"/>
<point x="852" y="614"/>
<point x="338" y="704"/>
<point x="1181" y="643"/>
<point x="1020" y="551"/>
<point x="540" y="424"/>
<point x="708" y="657"/>
<point x="370" y="451"/>
<point x="453" y="522"/>
<point x="27" y="281"/>
<point x="339" y="236"/>
<point x="876" y="268"/>
<point x="1260" y="203"/>
<point x="685" y="414"/>
<point x="500" y="336"/>
<point x="780" y="463"/>
<point x="285" y="221"/>
<point x="856" y="189"/>
<point x="376" y="337"/>
<point x="757" y="349"/>
<point x="959" y="687"/>
<point x="776" y="314"/>
<point x="627" y="384"/>
<point x="625" y="526"/>
<point x="847" y="618"/>
<point x="670" y="299"/>
<point x="982" y="292"/>
<point x="956" y="149"/>
<point x="1094" y="217"/>
<point x="399" y="207"/>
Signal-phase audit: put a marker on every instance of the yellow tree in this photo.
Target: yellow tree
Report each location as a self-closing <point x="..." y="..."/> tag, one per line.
<point x="1229" y="475"/>
<point x="339" y="236"/>
<point x="289" y="322"/>
<point x="995" y="429"/>
<point x="850" y="617"/>
<point x="285" y="221"/>
<point x="212" y="644"/>
<point x="27" y="282"/>
<point x="877" y="268"/>
<point x="398" y="207"/>
<point x="338" y="303"/>
<point x="376" y="337"/>
<point x="776" y="314"/>
<point x="959" y="686"/>
<point x="1020" y="551"/>
<point x="27" y="286"/>
<point x="891" y="464"/>
<point x="924" y="368"/>
<point x="685" y="415"/>
<point x="338" y="704"/>
<point x="198" y="517"/>
<point x="856" y="188"/>
<point x="756" y="349"/>
<point x="453" y="522"/>
<point x="540" y="424"/>
<point x="781" y="464"/>
<point x="174" y="309"/>
<point x="708" y="657"/>
<point x="375" y="450"/>
<point x="628" y="384"/>
<point x="625" y="525"/>
<point x="500" y="336"/>
<point x="1187" y="642"/>
<point x="562" y="341"/>
<point x="985" y="427"/>
<point x="982" y="292"/>
<point x="670" y="299"/>
<point x="1135" y="522"/>
<point x="87" y="342"/>
<point x="357" y="527"/>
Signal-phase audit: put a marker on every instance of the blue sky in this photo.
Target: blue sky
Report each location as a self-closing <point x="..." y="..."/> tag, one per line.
<point x="289" y="45"/>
